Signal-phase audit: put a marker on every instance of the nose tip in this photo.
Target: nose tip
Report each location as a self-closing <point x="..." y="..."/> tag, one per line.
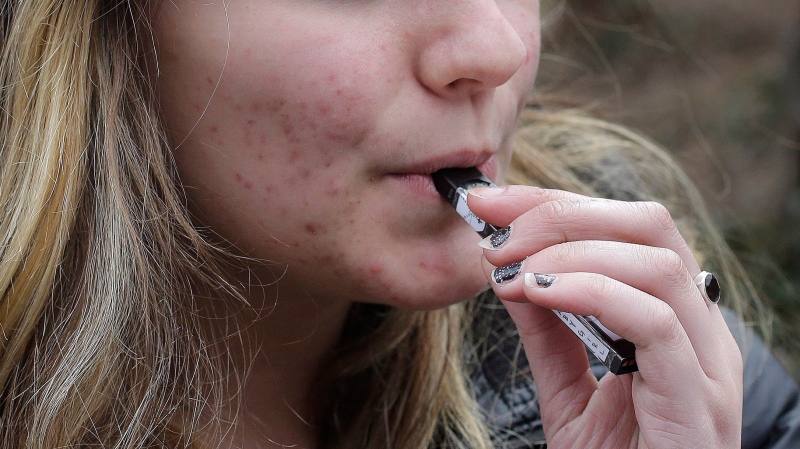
<point x="477" y="54"/>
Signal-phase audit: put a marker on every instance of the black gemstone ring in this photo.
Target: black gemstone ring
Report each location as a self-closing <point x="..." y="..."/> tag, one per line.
<point x="709" y="286"/>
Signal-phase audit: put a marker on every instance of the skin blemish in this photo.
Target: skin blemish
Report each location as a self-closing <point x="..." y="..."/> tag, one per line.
<point x="375" y="269"/>
<point x="240" y="180"/>
<point x="332" y="192"/>
<point x="313" y="228"/>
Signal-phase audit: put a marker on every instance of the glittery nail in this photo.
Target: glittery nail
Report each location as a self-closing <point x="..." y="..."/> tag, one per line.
<point x="496" y="239"/>
<point x="539" y="280"/>
<point x="506" y="273"/>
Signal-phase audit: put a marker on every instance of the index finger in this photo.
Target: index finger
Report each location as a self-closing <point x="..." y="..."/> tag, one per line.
<point x="515" y="201"/>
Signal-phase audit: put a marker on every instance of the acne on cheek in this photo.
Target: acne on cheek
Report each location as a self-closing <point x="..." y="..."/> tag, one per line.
<point x="240" y="179"/>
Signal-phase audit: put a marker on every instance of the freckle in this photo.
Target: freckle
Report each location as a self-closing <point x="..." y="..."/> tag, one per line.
<point x="209" y="80"/>
<point x="305" y="174"/>
<point x="311" y="228"/>
<point x="251" y="122"/>
<point x="237" y="107"/>
<point x="294" y="155"/>
<point x="238" y="177"/>
<point x="260" y="156"/>
<point x="213" y="129"/>
<point x="198" y="108"/>
<point x="269" y="188"/>
<point x="331" y="78"/>
<point x="248" y="185"/>
<point x="328" y="165"/>
<point x="339" y="92"/>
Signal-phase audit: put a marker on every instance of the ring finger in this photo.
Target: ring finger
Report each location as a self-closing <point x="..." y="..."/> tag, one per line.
<point x="657" y="272"/>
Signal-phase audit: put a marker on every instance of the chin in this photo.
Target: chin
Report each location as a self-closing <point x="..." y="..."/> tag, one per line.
<point x="436" y="293"/>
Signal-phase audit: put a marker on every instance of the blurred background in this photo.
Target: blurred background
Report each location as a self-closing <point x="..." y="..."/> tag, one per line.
<point x="718" y="83"/>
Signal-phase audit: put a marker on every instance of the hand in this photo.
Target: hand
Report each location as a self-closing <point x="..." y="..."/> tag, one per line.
<point x="628" y="265"/>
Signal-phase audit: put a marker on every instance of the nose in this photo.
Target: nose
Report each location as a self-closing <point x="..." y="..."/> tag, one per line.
<point x="469" y="48"/>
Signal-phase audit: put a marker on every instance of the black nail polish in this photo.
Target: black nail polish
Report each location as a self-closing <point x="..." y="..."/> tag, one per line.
<point x="544" y="280"/>
<point x="500" y="236"/>
<point x="506" y="273"/>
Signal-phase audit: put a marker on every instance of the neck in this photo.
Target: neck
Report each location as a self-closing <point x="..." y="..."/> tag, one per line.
<point x="287" y="339"/>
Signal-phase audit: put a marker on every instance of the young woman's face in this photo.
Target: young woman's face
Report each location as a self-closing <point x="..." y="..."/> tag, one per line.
<point x="305" y="132"/>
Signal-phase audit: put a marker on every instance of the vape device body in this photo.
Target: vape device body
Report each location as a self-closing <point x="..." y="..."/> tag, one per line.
<point x="615" y="352"/>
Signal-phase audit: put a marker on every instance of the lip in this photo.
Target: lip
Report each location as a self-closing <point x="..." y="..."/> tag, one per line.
<point x="417" y="176"/>
<point x="483" y="160"/>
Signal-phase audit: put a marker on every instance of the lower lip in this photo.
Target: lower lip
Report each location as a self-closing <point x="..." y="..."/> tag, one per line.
<point x="418" y="183"/>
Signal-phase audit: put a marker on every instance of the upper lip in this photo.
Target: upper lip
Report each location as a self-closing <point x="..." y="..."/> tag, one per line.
<point x="455" y="159"/>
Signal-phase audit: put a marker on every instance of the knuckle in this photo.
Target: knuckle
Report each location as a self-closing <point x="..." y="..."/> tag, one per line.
<point x="565" y="254"/>
<point x="601" y="287"/>
<point x="665" y="324"/>
<point x="659" y="215"/>
<point x="547" y="195"/>
<point x="669" y="264"/>
<point x="556" y="211"/>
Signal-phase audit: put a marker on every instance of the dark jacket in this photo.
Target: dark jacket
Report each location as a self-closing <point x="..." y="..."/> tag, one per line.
<point x="508" y="395"/>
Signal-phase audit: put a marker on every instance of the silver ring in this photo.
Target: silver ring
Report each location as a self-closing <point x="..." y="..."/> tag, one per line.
<point x="709" y="286"/>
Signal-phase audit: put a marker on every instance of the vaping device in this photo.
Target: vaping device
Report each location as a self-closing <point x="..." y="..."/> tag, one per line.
<point x="616" y="353"/>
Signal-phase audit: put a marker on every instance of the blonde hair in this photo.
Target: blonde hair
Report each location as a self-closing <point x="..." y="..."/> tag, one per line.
<point x="99" y="341"/>
<point x="101" y="266"/>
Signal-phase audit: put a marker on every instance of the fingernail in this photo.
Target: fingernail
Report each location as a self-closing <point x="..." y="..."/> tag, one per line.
<point x="486" y="193"/>
<point x="539" y="280"/>
<point x="497" y="238"/>
<point x="507" y="273"/>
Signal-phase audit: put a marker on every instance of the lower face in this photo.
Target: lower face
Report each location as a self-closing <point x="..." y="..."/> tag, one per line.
<point x="305" y="132"/>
